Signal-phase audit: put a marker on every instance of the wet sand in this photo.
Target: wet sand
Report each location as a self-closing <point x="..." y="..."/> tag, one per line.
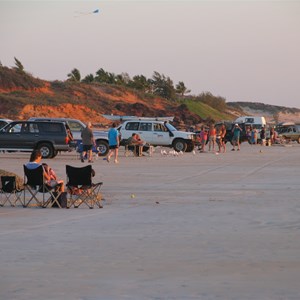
<point x="200" y="226"/>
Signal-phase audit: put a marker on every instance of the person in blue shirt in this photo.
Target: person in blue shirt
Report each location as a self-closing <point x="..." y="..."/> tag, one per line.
<point x="113" y="141"/>
<point x="236" y="137"/>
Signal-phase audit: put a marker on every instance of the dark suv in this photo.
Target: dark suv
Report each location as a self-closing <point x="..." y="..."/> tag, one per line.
<point x="49" y="137"/>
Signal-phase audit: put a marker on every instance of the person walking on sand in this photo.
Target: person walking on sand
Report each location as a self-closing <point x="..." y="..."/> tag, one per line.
<point x="113" y="141"/>
<point x="88" y="142"/>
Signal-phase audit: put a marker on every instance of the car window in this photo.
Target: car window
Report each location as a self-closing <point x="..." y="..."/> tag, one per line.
<point x="50" y="127"/>
<point x="15" y="128"/>
<point x="132" y="126"/>
<point x="29" y="128"/>
<point x="144" y="126"/>
<point x="159" y="127"/>
<point x="75" y="126"/>
<point x="2" y="123"/>
<point x="170" y="127"/>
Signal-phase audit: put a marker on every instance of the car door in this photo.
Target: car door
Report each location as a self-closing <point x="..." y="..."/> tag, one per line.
<point x="127" y="129"/>
<point x="29" y="135"/>
<point x="16" y="135"/>
<point x="76" y="129"/>
<point x="160" y="135"/>
<point x="145" y="132"/>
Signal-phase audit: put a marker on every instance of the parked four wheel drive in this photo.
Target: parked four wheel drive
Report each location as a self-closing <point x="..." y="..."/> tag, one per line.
<point x="76" y="126"/>
<point x="158" y="133"/>
<point x="49" y="137"/>
<point x="4" y="122"/>
<point x="289" y="131"/>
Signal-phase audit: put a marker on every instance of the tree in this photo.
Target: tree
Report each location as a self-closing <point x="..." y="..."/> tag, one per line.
<point x="19" y="67"/>
<point x="105" y="77"/>
<point x="141" y="83"/>
<point x="162" y="86"/>
<point x="88" y="78"/>
<point x="181" y="89"/>
<point x="74" y="75"/>
<point x="122" y="79"/>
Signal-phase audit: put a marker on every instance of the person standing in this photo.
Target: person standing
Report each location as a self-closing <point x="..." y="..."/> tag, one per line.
<point x="88" y="142"/>
<point x="254" y="136"/>
<point x="263" y="136"/>
<point x="212" y="137"/>
<point x="203" y="138"/>
<point x="113" y="141"/>
<point x="222" y="139"/>
<point x="236" y="131"/>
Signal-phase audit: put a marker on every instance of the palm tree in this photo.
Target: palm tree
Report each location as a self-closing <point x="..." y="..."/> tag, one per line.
<point x="19" y="67"/>
<point x="163" y="86"/>
<point x="74" y="75"/>
<point x="181" y="89"/>
<point x="88" y="78"/>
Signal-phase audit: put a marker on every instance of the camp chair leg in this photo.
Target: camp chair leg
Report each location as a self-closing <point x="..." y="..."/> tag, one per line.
<point x="33" y="197"/>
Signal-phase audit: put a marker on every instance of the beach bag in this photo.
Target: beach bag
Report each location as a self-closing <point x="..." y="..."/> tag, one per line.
<point x="62" y="200"/>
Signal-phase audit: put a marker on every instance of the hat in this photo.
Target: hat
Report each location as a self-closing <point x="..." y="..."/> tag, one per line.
<point x="236" y="124"/>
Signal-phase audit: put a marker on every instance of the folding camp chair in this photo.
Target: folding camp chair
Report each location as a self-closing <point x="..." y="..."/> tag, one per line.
<point x="79" y="179"/>
<point x="79" y="149"/>
<point x="9" y="189"/>
<point x="34" y="183"/>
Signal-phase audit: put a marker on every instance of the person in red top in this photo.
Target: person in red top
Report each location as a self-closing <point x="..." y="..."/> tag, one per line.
<point x="212" y="137"/>
<point x="203" y="138"/>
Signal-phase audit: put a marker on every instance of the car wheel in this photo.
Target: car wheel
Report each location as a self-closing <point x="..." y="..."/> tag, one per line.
<point x="46" y="150"/>
<point x="102" y="147"/>
<point x="55" y="152"/>
<point x="179" y="145"/>
<point x="190" y="147"/>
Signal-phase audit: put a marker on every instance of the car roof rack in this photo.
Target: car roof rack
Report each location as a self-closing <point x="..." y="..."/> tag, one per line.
<point x="129" y="118"/>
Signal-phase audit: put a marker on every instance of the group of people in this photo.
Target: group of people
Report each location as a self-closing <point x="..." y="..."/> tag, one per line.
<point x="114" y="143"/>
<point x="215" y="136"/>
<point x="88" y="142"/>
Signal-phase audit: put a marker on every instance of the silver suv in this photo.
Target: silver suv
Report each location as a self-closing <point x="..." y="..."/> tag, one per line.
<point x="76" y="127"/>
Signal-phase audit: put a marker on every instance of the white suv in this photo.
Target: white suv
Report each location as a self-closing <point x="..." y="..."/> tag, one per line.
<point x="158" y="133"/>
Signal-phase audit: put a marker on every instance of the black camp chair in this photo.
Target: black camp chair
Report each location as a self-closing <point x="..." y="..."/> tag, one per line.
<point x="79" y="179"/>
<point x="9" y="190"/>
<point x="34" y="183"/>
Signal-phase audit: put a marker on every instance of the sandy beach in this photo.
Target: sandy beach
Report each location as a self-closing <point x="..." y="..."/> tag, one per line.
<point x="201" y="226"/>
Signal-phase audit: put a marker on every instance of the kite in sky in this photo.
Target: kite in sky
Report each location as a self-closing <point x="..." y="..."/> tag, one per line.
<point x="80" y="13"/>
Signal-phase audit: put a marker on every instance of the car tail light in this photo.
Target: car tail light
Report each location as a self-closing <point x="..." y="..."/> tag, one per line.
<point x="67" y="140"/>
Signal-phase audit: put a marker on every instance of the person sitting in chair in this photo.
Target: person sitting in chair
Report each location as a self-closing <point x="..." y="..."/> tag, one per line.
<point x="49" y="174"/>
<point x="137" y="142"/>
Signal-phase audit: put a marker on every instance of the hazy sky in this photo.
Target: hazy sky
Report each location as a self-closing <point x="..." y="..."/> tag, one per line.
<point x="240" y="50"/>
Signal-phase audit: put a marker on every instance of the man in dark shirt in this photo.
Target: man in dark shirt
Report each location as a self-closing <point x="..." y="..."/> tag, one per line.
<point x="87" y="142"/>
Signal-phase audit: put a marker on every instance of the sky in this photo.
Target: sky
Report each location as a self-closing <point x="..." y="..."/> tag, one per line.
<point x="240" y="50"/>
